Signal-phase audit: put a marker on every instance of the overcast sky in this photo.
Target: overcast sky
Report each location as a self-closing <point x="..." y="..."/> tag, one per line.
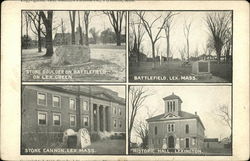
<point x="198" y="32"/>
<point x="201" y="99"/>
<point x="97" y="19"/>
<point x="119" y="89"/>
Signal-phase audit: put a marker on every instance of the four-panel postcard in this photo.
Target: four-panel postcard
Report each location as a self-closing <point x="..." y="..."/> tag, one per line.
<point x="127" y="81"/>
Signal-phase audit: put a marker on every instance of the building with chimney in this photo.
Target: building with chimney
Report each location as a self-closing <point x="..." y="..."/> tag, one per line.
<point x="54" y="109"/>
<point x="175" y="128"/>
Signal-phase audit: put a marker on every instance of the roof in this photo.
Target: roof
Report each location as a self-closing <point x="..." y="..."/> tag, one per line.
<point x="171" y="97"/>
<point x="210" y="139"/>
<point x="182" y="115"/>
<point x="94" y="91"/>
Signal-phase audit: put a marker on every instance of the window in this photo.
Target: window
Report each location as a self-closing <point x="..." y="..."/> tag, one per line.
<point x="174" y="106"/>
<point x="171" y="107"/>
<point x="42" y="118"/>
<point x="72" y="104"/>
<point x="187" y="129"/>
<point x="41" y="99"/>
<point x="187" y="142"/>
<point x="114" y="123"/>
<point x="171" y="127"/>
<point x="56" y="101"/>
<point x="85" y="106"/>
<point x="168" y="107"/>
<point x="120" y="123"/>
<point x="85" y="120"/>
<point x="72" y="120"/>
<point x="56" y="119"/>
<point x="155" y="130"/>
<point x="114" y="110"/>
<point x="120" y="111"/>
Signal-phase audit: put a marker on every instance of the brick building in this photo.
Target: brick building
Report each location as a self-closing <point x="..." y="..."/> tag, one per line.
<point x="175" y="128"/>
<point x="57" y="108"/>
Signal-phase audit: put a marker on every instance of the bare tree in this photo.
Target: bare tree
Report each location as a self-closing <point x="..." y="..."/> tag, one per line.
<point x="47" y="21"/>
<point x="149" y="29"/>
<point x="186" y="29"/>
<point x="116" y="19"/>
<point x="137" y="36"/>
<point x="182" y="52"/>
<point x="167" y="28"/>
<point x="86" y="24"/>
<point x="141" y="128"/>
<point x="219" y="25"/>
<point x="72" y="16"/>
<point x="80" y="28"/>
<point x="36" y="26"/>
<point x="224" y="114"/>
<point x="137" y="97"/>
<point x="63" y="31"/>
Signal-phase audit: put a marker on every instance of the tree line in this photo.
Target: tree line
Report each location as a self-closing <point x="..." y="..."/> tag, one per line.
<point x="218" y="24"/>
<point x="41" y="24"/>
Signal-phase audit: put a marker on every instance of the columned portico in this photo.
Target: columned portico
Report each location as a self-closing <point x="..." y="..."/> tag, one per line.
<point x="100" y="118"/>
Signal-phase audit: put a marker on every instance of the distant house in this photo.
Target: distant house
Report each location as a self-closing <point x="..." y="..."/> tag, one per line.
<point x="212" y="143"/>
<point x="133" y="57"/>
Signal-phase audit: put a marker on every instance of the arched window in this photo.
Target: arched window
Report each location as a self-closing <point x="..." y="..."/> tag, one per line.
<point x="171" y="107"/>
<point x="155" y="130"/>
<point x="187" y="129"/>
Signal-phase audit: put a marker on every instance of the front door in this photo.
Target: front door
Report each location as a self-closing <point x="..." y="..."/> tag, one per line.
<point x="170" y="142"/>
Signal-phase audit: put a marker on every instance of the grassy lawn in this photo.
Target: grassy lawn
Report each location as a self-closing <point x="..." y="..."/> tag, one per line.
<point x="107" y="64"/>
<point x="220" y="72"/>
<point x="109" y="147"/>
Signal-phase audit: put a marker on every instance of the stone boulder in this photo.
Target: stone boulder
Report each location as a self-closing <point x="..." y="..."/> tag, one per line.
<point x="70" y="55"/>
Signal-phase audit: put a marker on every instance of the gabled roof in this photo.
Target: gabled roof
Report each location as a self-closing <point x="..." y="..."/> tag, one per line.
<point x="171" y="97"/>
<point x="182" y="115"/>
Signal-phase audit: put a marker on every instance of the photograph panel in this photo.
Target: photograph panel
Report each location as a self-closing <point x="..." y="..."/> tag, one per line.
<point x="180" y="46"/>
<point x="62" y="119"/>
<point x="73" y="45"/>
<point x="180" y="120"/>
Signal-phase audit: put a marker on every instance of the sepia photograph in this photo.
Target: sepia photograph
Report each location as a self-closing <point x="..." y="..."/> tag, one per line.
<point x="180" y="120"/>
<point x="180" y="46"/>
<point x="63" y="119"/>
<point x="73" y="45"/>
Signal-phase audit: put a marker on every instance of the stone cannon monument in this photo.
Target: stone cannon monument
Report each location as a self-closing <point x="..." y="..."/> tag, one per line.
<point x="83" y="138"/>
<point x="70" y="55"/>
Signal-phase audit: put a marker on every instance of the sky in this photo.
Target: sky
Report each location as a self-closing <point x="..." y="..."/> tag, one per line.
<point x="97" y="19"/>
<point x="201" y="99"/>
<point x="119" y="89"/>
<point x="198" y="32"/>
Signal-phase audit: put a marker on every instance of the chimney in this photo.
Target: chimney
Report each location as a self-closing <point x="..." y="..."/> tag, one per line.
<point x="195" y="113"/>
<point x="172" y="93"/>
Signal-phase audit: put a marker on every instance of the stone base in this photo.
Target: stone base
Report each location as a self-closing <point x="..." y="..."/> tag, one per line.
<point x="203" y="76"/>
<point x="70" y="55"/>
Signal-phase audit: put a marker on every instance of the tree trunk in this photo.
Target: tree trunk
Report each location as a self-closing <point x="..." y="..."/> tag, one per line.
<point x="49" y="42"/>
<point x="39" y="34"/>
<point x="168" y="43"/>
<point x="118" y="38"/>
<point x="87" y="34"/>
<point x="153" y="54"/>
<point x="187" y="50"/>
